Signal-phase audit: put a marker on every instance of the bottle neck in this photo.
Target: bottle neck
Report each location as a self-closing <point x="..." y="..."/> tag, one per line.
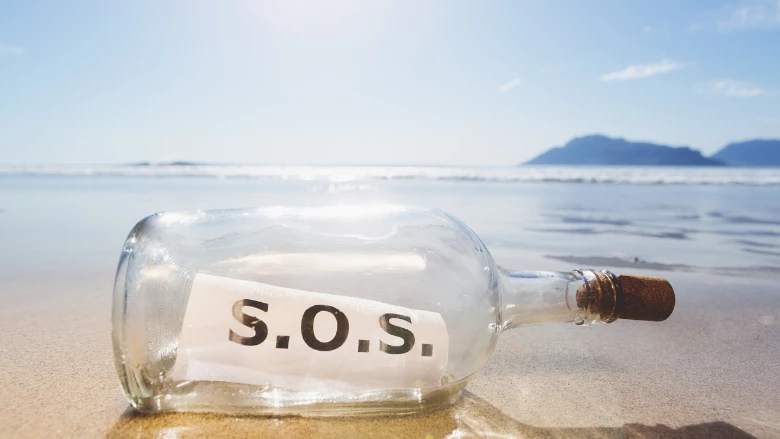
<point x="540" y="297"/>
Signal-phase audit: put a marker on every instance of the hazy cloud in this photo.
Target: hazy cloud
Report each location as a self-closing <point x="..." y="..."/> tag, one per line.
<point x="736" y="89"/>
<point x="509" y="85"/>
<point x="743" y="15"/>
<point x="7" y="49"/>
<point x="637" y="71"/>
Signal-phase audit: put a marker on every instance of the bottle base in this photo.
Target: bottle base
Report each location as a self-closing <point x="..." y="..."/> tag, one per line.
<point x="220" y="397"/>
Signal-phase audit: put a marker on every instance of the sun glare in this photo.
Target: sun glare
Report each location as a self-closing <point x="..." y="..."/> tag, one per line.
<point x="306" y="16"/>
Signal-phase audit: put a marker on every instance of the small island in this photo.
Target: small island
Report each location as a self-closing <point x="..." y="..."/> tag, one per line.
<point x="603" y="150"/>
<point x="149" y="164"/>
<point x="758" y="152"/>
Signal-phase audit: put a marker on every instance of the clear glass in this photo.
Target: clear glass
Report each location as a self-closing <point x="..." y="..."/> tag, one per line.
<point x="413" y="257"/>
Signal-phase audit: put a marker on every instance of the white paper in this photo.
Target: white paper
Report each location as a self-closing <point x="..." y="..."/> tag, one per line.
<point x="206" y="352"/>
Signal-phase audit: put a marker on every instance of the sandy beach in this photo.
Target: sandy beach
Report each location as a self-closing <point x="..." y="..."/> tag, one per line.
<point x="709" y="371"/>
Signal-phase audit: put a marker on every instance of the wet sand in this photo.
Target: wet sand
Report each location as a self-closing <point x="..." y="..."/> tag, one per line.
<point x="709" y="371"/>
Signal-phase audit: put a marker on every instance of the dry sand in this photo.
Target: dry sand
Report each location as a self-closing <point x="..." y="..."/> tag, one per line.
<point x="711" y="370"/>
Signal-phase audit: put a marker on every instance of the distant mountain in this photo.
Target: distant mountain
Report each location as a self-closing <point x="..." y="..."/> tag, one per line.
<point x="603" y="150"/>
<point x="759" y="152"/>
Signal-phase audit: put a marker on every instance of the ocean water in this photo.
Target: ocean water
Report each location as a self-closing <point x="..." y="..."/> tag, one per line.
<point x="522" y="174"/>
<point x="713" y="221"/>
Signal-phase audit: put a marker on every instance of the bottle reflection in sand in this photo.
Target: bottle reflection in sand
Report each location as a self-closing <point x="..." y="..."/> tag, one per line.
<point x="470" y="417"/>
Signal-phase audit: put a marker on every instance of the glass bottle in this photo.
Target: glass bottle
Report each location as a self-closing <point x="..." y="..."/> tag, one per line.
<point x="337" y="310"/>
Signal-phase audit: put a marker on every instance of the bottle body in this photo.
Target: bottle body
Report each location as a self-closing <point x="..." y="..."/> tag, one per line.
<point x="337" y="310"/>
<point x="414" y="258"/>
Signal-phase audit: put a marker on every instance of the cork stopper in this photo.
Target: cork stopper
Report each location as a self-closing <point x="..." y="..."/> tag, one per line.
<point x="644" y="298"/>
<point x="626" y="296"/>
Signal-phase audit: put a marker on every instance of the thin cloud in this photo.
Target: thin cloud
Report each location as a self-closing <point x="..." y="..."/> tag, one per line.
<point x="7" y="49"/>
<point x="509" y="85"/>
<point x="761" y="14"/>
<point x="742" y="15"/>
<point x="638" y="71"/>
<point x="736" y="89"/>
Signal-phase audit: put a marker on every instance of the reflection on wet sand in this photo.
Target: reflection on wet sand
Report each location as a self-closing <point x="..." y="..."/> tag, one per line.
<point x="768" y="272"/>
<point x="470" y="417"/>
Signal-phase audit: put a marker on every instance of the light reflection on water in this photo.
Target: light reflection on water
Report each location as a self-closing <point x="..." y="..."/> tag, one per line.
<point x="45" y="219"/>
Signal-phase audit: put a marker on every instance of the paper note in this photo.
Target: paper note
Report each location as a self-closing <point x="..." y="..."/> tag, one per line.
<point x="249" y="332"/>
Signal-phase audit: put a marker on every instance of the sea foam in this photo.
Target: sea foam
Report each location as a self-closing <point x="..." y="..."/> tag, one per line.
<point x="521" y="174"/>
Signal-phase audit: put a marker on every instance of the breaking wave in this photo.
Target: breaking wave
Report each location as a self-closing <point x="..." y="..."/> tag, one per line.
<point x="522" y="174"/>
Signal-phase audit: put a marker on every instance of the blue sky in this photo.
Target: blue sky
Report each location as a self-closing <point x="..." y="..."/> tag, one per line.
<point x="359" y="82"/>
